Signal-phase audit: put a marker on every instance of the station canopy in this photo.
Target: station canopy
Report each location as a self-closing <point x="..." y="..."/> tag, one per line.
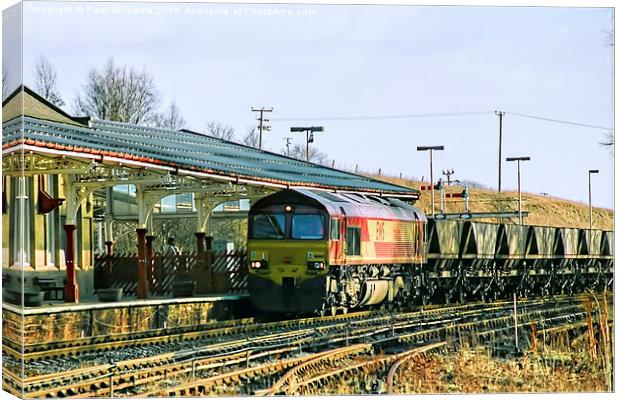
<point x="52" y="141"/>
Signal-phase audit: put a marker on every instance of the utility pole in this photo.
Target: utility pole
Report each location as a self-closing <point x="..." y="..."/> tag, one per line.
<point x="288" y="145"/>
<point x="590" y="172"/>
<point x="448" y="173"/>
<point x="518" y="160"/>
<point x="500" y="114"/>
<point x="309" y="136"/>
<point x="261" y="123"/>
<point x="430" y="150"/>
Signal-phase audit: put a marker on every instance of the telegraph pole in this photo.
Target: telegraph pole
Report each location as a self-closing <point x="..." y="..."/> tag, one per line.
<point x="288" y="145"/>
<point x="500" y="114"/>
<point x="261" y="123"/>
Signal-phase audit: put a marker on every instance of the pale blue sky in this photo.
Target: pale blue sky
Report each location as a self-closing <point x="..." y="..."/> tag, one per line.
<point x="340" y="61"/>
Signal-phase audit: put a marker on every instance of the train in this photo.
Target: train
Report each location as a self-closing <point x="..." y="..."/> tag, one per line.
<point x="314" y="251"/>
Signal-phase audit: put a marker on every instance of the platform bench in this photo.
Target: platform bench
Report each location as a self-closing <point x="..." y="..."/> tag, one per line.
<point x="50" y="285"/>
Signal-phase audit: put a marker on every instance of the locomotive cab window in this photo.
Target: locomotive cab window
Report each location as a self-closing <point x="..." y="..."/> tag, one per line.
<point x="308" y="226"/>
<point x="353" y="241"/>
<point x="268" y="226"/>
<point x="335" y="229"/>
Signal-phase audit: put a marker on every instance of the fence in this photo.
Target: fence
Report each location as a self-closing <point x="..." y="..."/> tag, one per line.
<point x="229" y="272"/>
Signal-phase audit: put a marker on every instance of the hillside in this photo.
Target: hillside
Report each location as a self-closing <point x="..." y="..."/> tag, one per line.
<point x="543" y="210"/>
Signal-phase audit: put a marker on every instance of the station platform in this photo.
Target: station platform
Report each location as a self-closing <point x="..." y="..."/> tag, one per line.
<point x="62" y="321"/>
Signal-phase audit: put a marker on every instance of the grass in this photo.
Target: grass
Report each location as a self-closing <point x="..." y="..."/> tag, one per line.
<point x="579" y="362"/>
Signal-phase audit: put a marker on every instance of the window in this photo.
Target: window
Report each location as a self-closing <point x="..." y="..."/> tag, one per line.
<point x="268" y="226"/>
<point x="335" y="229"/>
<point x="353" y="241"/>
<point x="51" y="221"/>
<point x="21" y="221"/>
<point x="124" y="200"/>
<point x="308" y="226"/>
<point x="177" y="203"/>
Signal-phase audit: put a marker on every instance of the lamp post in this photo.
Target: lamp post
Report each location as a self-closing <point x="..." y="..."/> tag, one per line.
<point x="590" y="172"/>
<point x="430" y="150"/>
<point x="309" y="137"/>
<point x="518" y="160"/>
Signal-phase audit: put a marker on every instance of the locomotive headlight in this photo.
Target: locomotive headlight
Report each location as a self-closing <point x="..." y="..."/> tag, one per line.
<point x="316" y="265"/>
<point x="258" y="264"/>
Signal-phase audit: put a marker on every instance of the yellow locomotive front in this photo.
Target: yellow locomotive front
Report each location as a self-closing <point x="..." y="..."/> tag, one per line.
<point x="288" y="249"/>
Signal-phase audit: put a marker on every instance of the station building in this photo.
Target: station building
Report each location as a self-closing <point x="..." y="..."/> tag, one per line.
<point x="66" y="181"/>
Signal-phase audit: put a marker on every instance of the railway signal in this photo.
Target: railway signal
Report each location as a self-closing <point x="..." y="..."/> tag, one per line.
<point x="518" y="160"/>
<point x="430" y="150"/>
<point x="448" y="173"/>
<point x="309" y="136"/>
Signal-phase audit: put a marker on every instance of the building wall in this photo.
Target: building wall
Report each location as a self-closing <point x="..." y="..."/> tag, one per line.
<point x="46" y="237"/>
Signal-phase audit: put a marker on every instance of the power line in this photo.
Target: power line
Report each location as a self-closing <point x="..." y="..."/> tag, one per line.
<point x="559" y="121"/>
<point x="432" y="115"/>
<point x="375" y="117"/>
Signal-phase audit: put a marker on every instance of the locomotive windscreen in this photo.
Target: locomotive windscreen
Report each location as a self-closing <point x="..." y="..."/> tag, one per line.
<point x="268" y="226"/>
<point x="308" y="226"/>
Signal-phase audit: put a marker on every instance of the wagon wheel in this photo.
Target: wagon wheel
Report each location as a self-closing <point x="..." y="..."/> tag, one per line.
<point x="462" y="295"/>
<point x="333" y="310"/>
<point x="425" y="298"/>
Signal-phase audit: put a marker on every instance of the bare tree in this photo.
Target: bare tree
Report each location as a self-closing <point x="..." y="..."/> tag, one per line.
<point x="46" y="81"/>
<point x="5" y="82"/>
<point x="609" y="140"/>
<point x="316" y="156"/>
<point x="169" y="119"/>
<point x="119" y="93"/>
<point x="221" y="131"/>
<point x="251" y="139"/>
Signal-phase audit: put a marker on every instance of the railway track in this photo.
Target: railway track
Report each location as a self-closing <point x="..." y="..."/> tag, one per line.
<point x="256" y="362"/>
<point x="214" y="355"/>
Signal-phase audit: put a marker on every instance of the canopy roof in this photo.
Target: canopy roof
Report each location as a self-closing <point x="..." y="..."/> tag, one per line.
<point x="46" y="128"/>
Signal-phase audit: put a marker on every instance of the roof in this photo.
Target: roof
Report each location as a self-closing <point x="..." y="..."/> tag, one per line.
<point x="47" y="128"/>
<point x="26" y="102"/>
<point x="351" y="204"/>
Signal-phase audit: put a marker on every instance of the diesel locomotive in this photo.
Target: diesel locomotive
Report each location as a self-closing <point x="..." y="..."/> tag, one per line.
<point x="318" y="251"/>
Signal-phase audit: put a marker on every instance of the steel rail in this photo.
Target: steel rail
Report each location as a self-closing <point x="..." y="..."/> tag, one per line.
<point x="132" y="373"/>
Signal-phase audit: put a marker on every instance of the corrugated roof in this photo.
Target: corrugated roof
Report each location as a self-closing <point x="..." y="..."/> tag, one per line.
<point x="187" y="150"/>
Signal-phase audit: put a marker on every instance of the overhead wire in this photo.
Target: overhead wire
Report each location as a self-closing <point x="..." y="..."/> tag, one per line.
<point x="439" y="114"/>
<point x="378" y="117"/>
<point x="559" y="121"/>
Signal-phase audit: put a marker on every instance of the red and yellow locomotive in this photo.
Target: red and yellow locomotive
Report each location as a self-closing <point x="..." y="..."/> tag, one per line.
<point x="312" y="250"/>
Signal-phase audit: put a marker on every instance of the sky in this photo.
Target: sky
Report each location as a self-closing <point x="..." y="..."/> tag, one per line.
<point x="329" y="65"/>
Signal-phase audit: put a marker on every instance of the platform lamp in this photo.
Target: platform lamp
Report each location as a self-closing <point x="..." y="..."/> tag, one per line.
<point x="590" y="172"/>
<point x="309" y="135"/>
<point x="430" y="149"/>
<point x="518" y="160"/>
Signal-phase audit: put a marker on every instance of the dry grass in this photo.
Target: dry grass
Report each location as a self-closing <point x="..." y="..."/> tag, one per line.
<point x="477" y="372"/>
<point x="553" y="364"/>
<point x="543" y="210"/>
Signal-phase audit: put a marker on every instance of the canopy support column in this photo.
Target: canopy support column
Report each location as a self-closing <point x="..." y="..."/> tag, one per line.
<point x="204" y="260"/>
<point x="109" y="239"/>
<point x="150" y="256"/>
<point x="71" y="287"/>
<point x="142" y="289"/>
